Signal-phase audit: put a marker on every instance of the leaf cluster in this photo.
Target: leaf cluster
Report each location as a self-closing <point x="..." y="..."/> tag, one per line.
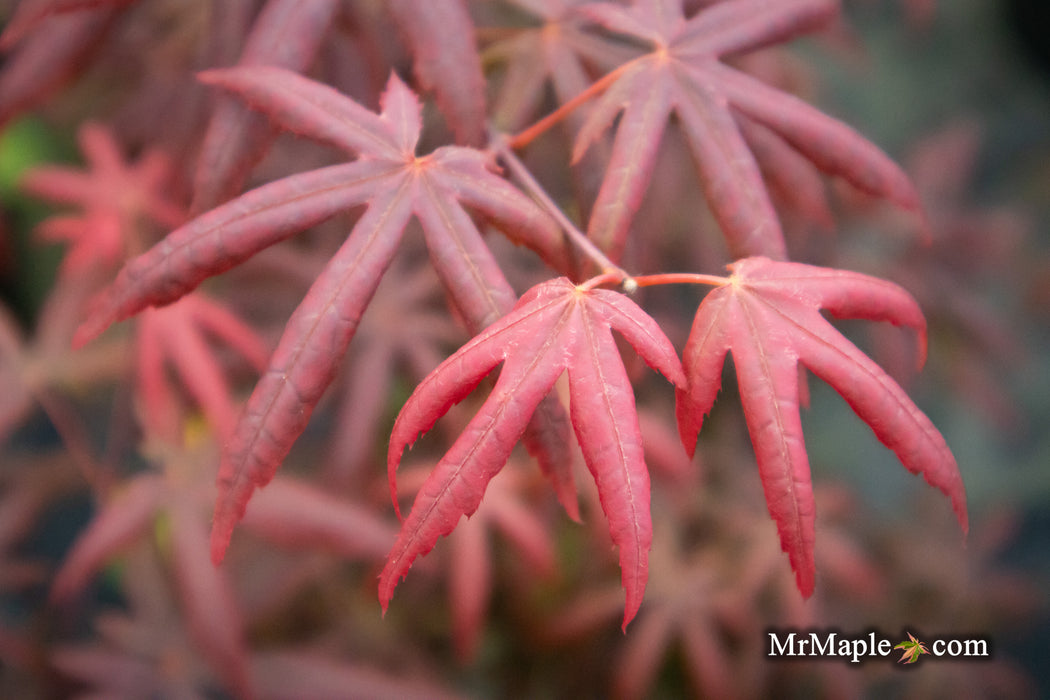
<point x="411" y="226"/>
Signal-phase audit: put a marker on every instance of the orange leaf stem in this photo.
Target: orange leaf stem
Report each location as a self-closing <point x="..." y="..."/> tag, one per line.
<point x="527" y="135"/>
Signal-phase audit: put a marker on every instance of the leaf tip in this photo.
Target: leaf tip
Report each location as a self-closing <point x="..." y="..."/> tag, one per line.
<point x="571" y="505"/>
<point x="394" y="83"/>
<point x="961" y="514"/>
<point x="220" y="541"/>
<point x="805" y="579"/>
<point x="393" y="460"/>
<point x="229" y="509"/>
<point x="688" y="430"/>
<point x="628" y="615"/>
<point x="99" y="318"/>
<point x="923" y="341"/>
<point x="85" y="333"/>
<point x="388" y="581"/>
<point x="211" y="76"/>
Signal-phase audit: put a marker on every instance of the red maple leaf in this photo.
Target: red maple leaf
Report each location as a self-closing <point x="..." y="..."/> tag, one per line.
<point x="719" y="109"/>
<point x="396" y="185"/>
<point x="555" y="327"/>
<point x="558" y="53"/>
<point x="768" y="315"/>
<point x="116" y="199"/>
<point x="561" y="57"/>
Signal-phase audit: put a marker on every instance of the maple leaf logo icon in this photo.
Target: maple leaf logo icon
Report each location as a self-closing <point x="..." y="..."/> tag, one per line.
<point x="913" y="649"/>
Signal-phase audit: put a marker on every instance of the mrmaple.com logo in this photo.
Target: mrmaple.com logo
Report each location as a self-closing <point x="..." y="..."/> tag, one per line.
<point x="833" y="644"/>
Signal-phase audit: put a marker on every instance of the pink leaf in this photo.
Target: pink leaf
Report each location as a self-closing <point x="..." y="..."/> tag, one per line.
<point x="555" y="327"/>
<point x="395" y="185"/>
<point x="295" y="514"/>
<point x="683" y="74"/>
<point x="306" y="360"/>
<point x="30" y="14"/>
<point x="40" y="65"/>
<point x="768" y="316"/>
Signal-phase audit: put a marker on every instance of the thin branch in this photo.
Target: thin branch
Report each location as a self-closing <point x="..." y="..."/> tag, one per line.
<point x="527" y="135"/>
<point x="680" y="278"/>
<point x="536" y="191"/>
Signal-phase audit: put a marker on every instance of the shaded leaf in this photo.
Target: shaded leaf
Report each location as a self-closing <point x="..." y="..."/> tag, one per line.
<point x="717" y="107"/>
<point x="116" y="526"/>
<point x="212" y="614"/>
<point x="177" y="334"/>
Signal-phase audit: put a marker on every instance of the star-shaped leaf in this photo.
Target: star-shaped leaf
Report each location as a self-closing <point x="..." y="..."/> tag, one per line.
<point x="116" y="199"/>
<point x="555" y="327"/>
<point x="913" y="649"/>
<point x="557" y="54"/>
<point x="719" y="108"/>
<point x="768" y="315"/>
<point x="393" y="184"/>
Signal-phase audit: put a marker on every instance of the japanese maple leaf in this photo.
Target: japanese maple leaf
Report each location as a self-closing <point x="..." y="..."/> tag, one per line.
<point x="768" y="315"/>
<point x="912" y="650"/>
<point x="716" y="105"/>
<point x="561" y="57"/>
<point x="394" y="184"/>
<point x="555" y="327"/>
<point x="558" y="52"/>
<point x="116" y="198"/>
<point x="148" y="649"/>
<point x="403" y="330"/>
<point x="207" y="597"/>
<point x="39" y="367"/>
<point x="953" y="276"/>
